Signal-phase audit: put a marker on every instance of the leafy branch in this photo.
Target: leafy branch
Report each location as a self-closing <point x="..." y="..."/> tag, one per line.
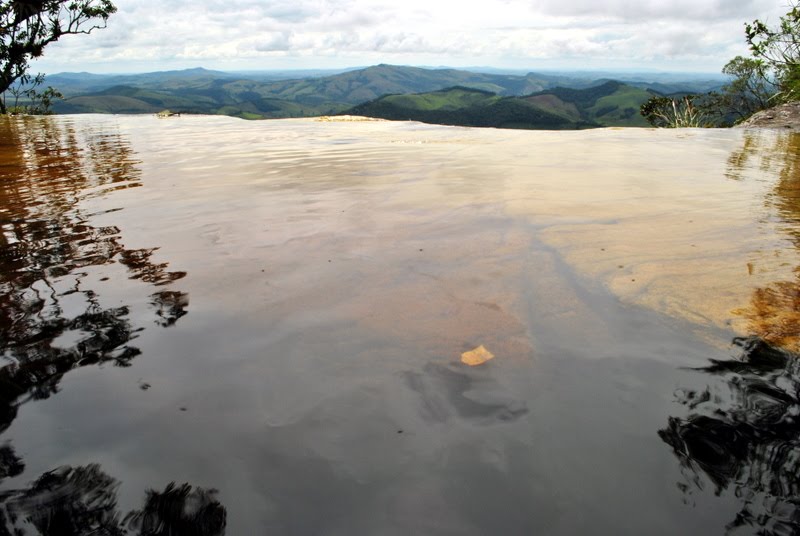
<point x="28" y="26"/>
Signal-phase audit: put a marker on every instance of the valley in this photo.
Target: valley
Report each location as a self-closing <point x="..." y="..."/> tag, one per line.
<point x="444" y="96"/>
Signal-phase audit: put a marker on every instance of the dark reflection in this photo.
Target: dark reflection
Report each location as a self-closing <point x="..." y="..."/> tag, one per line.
<point x="47" y="168"/>
<point x="469" y="393"/>
<point x="72" y="501"/>
<point x="180" y="509"/>
<point x="138" y="262"/>
<point x="10" y="463"/>
<point x="52" y="315"/>
<point x="743" y="435"/>
<point x="169" y="305"/>
<point x="79" y="500"/>
<point x="39" y="366"/>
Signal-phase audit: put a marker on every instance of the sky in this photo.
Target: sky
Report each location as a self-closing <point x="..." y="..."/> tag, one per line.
<point x="235" y="35"/>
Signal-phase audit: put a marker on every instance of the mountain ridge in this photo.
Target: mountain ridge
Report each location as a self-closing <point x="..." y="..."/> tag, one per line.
<point x="200" y="90"/>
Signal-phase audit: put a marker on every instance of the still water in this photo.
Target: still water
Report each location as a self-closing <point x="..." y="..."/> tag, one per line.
<point x="214" y="326"/>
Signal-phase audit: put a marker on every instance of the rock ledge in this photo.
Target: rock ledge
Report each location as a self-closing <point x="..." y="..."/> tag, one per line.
<point x="783" y="116"/>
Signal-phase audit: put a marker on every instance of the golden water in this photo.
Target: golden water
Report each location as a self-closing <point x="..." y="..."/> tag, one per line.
<point x="697" y="224"/>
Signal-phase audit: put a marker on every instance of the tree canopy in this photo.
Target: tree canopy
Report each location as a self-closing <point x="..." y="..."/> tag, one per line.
<point x="28" y="26"/>
<point x="778" y="49"/>
<point x="770" y="76"/>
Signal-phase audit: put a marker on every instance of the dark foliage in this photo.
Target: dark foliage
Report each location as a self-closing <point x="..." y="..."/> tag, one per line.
<point x="778" y="49"/>
<point x="743" y="435"/>
<point x="28" y="26"/>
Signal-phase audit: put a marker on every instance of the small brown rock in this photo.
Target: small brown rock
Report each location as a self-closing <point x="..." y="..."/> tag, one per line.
<point x="478" y="356"/>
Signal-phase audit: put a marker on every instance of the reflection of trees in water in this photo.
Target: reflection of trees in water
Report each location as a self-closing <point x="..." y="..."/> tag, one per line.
<point x="83" y="500"/>
<point x="52" y="322"/>
<point x="169" y="305"/>
<point x="180" y="509"/>
<point x="47" y="168"/>
<point x="743" y="435"/>
<point x="79" y="500"/>
<point x="774" y="310"/>
<point x="10" y="463"/>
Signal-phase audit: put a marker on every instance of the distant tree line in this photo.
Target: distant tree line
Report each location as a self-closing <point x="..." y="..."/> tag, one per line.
<point x="770" y="76"/>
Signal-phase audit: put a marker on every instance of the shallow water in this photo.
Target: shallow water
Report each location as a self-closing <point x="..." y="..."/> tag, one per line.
<point x="260" y="324"/>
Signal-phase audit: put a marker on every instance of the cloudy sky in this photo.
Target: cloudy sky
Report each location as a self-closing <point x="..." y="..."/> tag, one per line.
<point x="667" y="35"/>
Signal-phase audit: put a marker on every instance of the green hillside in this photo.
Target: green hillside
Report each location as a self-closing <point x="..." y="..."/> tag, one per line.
<point x="466" y="107"/>
<point x="454" y="98"/>
<point x="621" y="108"/>
<point x="609" y="104"/>
<point x="110" y="104"/>
<point x="215" y="99"/>
<point x="359" y="86"/>
<point x="395" y="92"/>
<point x="202" y="91"/>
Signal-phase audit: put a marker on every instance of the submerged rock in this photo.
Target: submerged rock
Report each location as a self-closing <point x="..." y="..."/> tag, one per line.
<point x="478" y="356"/>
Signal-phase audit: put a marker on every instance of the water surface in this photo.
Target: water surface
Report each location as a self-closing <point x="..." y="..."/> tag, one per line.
<point x="262" y="323"/>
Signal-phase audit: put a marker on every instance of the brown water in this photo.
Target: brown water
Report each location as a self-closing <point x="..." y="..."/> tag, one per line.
<point x="213" y="325"/>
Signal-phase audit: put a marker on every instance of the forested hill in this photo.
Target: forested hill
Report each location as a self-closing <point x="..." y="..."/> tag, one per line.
<point x="609" y="104"/>
<point x="359" y="86"/>
<point x="202" y="91"/>
<point x="264" y="95"/>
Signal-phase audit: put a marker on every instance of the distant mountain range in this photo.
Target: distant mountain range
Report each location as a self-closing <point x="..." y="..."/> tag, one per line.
<point x="278" y="95"/>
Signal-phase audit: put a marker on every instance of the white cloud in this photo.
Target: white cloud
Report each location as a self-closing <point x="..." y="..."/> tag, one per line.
<point x="165" y="34"/>
<point x="652" y="10"/>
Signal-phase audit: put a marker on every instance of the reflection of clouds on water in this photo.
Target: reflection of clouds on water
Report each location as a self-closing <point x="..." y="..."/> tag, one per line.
<point x="83" y="500"/>
<point x="742" y="435"/>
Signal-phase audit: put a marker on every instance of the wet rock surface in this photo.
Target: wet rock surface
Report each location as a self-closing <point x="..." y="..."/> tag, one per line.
<point x="783" y="117"/>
